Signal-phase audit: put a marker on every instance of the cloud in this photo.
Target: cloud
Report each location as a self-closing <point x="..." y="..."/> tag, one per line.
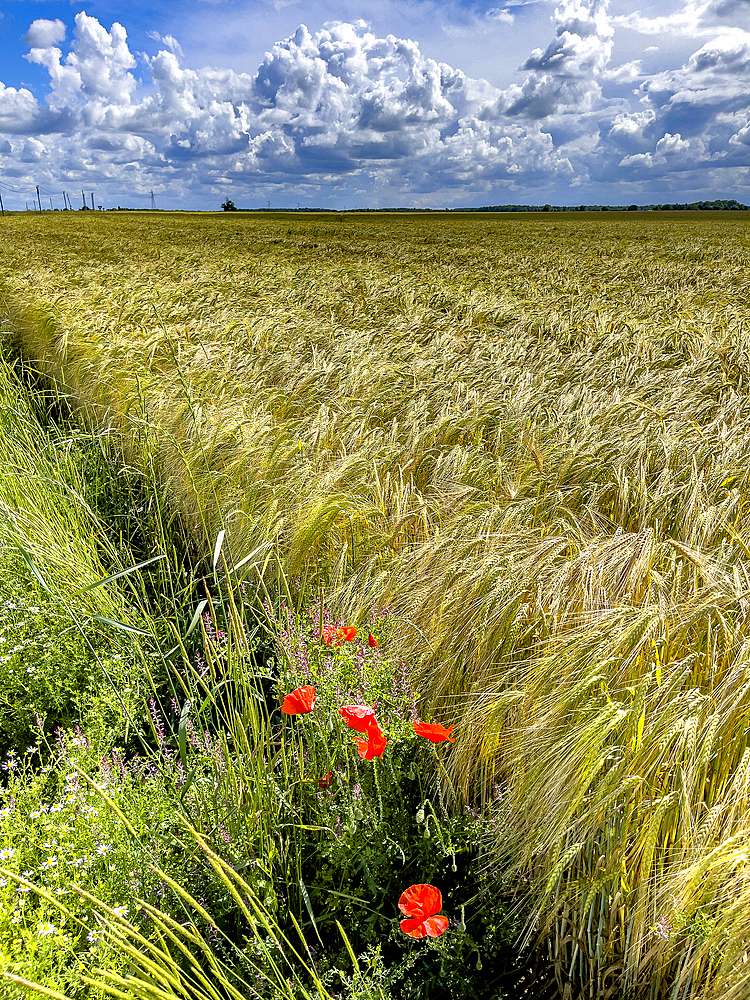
<point x="501" y="14"/>
<point x="18" y="110"/>
<point x="714" y="79"/>
<point x="169" y="40"/>
<point x="343" y="109"/>
<point x="669" y="147"/>
<point x="94" y="77"/>
<point x="43" y="33"/>
<point x="565" y="73"/>
<point x="626" y="73"/>
<point x="696" y="17"/>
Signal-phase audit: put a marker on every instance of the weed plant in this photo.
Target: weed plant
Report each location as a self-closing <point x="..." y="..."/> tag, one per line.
<point x="528" y="438"/>
<point x="203" y="849"/>
<point x="66" y="651"/>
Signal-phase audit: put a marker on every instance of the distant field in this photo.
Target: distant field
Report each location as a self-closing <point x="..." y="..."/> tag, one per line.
<point x="529" y="436"/>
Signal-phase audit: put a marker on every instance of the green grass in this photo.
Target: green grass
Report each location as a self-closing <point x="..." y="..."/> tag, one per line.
<point x="528" y="437"/>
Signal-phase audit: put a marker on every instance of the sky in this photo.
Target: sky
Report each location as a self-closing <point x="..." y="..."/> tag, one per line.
<point x="354" y="104"/>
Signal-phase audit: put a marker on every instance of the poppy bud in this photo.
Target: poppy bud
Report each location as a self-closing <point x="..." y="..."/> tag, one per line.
<point x="420" y="814"/>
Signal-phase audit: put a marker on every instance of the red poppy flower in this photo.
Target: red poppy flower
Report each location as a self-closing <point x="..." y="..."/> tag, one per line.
<point x="434" y="732"/>
<point x="326" y="782"/>
<point x="360" y="718"/>
<point x="420" y="903"/>
<point x="373" y="746"/>
<point x="372" y="641"/>
<point x="347" y="633"/>
<point x="300" y="701"/>
<point x="328" y="636"/>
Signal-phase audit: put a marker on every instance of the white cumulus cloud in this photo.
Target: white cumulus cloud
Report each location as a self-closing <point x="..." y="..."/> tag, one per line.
<point x="43" y="33"/>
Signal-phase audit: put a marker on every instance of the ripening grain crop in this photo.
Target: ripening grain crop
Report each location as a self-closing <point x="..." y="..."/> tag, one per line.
<point x="530" y="437"/>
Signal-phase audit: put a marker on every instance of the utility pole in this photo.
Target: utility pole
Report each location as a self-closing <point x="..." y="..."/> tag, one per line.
<point x="92" y="201"/>
<point x="84" y="200"/>
<point x="38" y="198"/>
<point x="153" y="201"/>
<point x="2" y="210"/>
<point x="50" y="206"/>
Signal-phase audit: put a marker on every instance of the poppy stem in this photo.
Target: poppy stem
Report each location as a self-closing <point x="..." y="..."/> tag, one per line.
<point x="375" y="766"/>
<point x="441" y="767"/>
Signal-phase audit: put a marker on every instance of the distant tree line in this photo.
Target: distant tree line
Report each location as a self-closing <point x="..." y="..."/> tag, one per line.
<point x="719" y="204"/>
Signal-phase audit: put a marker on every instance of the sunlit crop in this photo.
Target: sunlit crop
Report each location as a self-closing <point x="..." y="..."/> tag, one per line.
<point x="529" y="439"/>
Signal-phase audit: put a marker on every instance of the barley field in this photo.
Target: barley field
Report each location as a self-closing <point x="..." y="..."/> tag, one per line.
<point x="528" y="437"/>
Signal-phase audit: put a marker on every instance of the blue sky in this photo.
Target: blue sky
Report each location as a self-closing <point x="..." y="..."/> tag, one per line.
<point x="429" y="103"/>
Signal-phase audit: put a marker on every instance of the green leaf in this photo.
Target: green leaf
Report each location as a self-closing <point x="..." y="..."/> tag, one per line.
<point x="308" y="907"/>
<point x="196" y="617"/>
<point x="182" y="733"/>
<point x="121" y="625"/>
<point x="32" y="568"/>
<point x="116" y="576"/>
<point x="217" y="547"/>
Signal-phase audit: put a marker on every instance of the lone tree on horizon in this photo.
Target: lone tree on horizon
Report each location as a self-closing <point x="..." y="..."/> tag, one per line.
<point x="229" y="205"/>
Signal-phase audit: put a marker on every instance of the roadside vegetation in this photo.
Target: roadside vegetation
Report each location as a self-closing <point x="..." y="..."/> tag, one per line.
<point x="513" y="450"/>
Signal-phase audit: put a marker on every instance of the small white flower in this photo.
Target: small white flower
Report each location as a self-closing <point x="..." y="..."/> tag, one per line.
<point x="7" y="852"/>
<point x="103" y="849"/>
<point x="3" y="883"/>
<point x="93" y="936"/>
<point x="120" y="911"/>
<point x="44" y="930"/>
<point x="16" y="919"/>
